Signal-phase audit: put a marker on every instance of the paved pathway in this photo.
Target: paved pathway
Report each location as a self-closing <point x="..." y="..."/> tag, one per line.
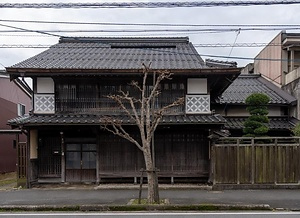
<point x="289" y="199"/>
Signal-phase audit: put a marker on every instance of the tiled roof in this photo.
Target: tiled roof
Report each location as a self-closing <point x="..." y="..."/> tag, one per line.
<point x="275" y="122"/>
<point x="245" y="85"/>
<point x="79" y="119"/>
<point x="116" y="54"/>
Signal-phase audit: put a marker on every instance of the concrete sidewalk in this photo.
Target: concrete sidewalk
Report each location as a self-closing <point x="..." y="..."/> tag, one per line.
<point x="112" y="196"/>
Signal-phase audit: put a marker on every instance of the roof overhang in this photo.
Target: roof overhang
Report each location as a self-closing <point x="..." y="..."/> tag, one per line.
<point x="10" y="131"/>
<point x="219" y="78"/>
<point x="275" y="123"/>
<point x="89" y="119"/>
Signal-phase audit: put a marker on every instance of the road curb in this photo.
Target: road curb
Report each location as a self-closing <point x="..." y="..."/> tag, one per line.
<point x="171" y="207"/>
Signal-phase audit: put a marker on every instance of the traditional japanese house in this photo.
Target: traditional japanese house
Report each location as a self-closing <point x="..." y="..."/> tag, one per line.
<point x="71" y="81"/>
<point x="231" y="105"/>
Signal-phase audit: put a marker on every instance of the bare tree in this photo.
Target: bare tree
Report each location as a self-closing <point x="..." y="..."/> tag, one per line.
<point x="146" y="117"/>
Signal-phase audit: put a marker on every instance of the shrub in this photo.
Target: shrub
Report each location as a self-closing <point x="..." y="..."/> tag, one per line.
<point x="296" y="130"/>
<point x="256" y="124"/>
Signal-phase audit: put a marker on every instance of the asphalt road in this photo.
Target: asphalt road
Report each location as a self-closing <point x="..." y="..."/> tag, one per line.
<point x="158" y="215"/>
<point x="284" y="198"/>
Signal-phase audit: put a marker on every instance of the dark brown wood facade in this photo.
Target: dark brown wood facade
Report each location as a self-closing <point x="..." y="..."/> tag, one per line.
<point x="88" y="154"/>
<point x="90" y="95"/>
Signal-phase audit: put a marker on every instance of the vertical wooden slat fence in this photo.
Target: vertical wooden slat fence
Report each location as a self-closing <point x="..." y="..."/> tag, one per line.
<point x="21" y="163"/>
<point x="268" y="160"/>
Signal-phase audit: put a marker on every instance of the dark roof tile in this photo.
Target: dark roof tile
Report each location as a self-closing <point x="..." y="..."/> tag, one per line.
<point x="98" y="119"/>
<point x="245" y="85"/>
<point x="117" y="53"/>
<point x="275" y="122"/>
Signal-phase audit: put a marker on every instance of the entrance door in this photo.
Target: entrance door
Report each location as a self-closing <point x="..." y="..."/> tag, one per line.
<point x="81" y="162"/>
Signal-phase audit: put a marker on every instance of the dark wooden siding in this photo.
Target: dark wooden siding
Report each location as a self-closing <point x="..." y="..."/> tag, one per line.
<point x="49" y="156"/>
<point x="118" y="157"/>
<point x="89" y="96"/>
<point x="182" y="153"/>
<point x="178" y="153"/>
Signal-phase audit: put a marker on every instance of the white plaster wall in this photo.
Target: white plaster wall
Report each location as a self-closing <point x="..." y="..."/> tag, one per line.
<point x="45" y="85"/>
<point x="235" y="111"/>
<point x="197" y="86"/>
<point x="33" y="144"/>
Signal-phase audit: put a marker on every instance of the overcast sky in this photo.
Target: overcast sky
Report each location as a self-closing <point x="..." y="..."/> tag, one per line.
<point x="277" y="14"/>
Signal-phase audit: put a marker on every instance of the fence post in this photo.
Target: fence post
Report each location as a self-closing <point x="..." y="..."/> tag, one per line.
<point x="252" y="161"/>
<point x="238" y="162"/>
<point x="212" y="173"/>
<point x="298" y="161"/>
<point x="275" y="161"/>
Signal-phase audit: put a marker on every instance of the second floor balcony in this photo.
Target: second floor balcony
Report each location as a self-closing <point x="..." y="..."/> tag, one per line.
<point x="47" y="103"/>
<point x="91" y="98"/>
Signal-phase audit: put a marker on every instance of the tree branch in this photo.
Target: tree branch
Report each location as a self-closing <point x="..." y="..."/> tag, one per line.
<point x="117" y="129"/>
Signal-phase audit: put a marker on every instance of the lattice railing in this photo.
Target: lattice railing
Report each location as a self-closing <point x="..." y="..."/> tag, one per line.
<point x="197" y="104"/>
<point x="44" y="103"/>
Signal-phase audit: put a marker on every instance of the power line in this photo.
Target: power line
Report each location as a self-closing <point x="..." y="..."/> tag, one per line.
<point x="44" y="31"/>
<point x="27" y="30"/>
<point x="22" y="35"/>
<point x="199" y="54"/>
<point x="209" y="45"/>
<point x="2" y="65"/>
<point x="147" y="4"/>
<point x="149" y="24"/>
<point x="237" y="35"/>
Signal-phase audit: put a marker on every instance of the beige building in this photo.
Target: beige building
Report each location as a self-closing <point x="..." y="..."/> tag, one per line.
<point x="279" y="62"/>
<point x="280" y="58"/>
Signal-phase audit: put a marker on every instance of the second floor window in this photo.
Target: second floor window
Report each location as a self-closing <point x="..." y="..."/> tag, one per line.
<point x="91" y="97"/>
<point x="20" y="109"/>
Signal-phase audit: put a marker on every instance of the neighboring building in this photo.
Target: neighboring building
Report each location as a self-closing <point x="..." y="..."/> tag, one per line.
<point x="15" y="100"/>
<point x="232" y="105"/>
<point x="70" y="82"/>
<point x="279" y="62"/>
<point x="280" y="57"/>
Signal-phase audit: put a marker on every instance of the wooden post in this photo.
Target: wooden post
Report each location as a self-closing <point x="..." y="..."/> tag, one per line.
<point x="63" y="160"/>
<point x="298" y="161"/>
<point x="98" y="159"/>
<point x="238" y="162"/>
<point x="18" y="158"/>
<point x="27" y="163"/>
<point x="212" y="170"/>
<point x="252" y="161"/>
<point x="141" y="186"/>
<point x="275" y="161"/>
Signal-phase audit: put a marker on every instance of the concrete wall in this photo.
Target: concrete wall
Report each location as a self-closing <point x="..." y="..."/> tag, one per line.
<point x="294" y="89"/>
<point x="271" y="69"/>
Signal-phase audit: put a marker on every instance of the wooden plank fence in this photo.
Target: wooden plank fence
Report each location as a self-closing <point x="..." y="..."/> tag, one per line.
<point x="21" y="163"/>
<point x="256" y="161"/>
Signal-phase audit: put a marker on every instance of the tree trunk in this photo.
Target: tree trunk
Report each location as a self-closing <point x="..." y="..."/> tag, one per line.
<point x="153" y="195"/>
